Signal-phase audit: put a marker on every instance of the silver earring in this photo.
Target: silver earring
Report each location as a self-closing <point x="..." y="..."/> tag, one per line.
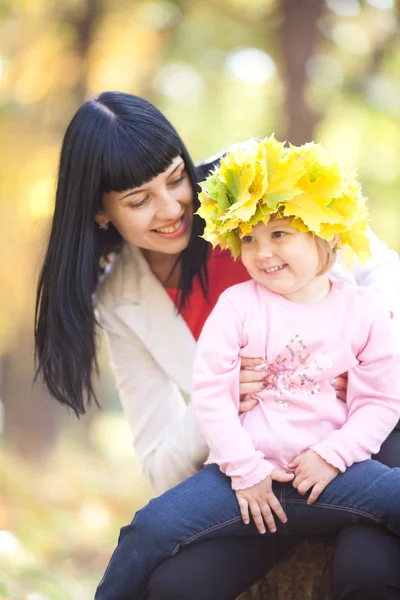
<point x="103" y="226"/>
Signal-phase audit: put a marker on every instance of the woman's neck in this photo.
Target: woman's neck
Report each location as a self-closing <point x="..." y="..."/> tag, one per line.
<point x="165" y="267"/>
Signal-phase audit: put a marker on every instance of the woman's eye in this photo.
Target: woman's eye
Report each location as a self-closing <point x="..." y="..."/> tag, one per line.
<point x="247" y="239"/>
<point x="139" y="203"/>
<point x="278" y="234"/>
<point x="179" y="179"/>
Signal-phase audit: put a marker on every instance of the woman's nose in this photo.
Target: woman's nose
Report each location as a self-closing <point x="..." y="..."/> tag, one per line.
<point x="168" y="206"/>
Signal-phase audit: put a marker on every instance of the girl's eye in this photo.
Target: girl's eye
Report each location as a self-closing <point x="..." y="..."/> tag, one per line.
<point x="139" y="203"/>
<point x="247" y="239"/>
<point x="278" y="234"/>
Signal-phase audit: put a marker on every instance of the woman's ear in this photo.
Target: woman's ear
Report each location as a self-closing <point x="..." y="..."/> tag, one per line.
<point x="101" y="219"/>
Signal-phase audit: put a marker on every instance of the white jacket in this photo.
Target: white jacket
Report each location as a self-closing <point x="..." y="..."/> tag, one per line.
<point x="151" y="352"/>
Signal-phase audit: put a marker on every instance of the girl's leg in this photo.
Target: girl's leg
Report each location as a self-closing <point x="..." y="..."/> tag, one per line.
<point x="205" y="506"/>
<point x="200" y="506"/>
<point x="367" y="558"/>
<point x="217" y="569"/>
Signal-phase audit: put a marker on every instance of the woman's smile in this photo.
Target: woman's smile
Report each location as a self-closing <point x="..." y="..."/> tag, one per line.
<point x="172" y="230"/>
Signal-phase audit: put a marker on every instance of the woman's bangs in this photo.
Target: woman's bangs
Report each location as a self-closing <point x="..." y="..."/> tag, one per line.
<point x="131" y="159"/>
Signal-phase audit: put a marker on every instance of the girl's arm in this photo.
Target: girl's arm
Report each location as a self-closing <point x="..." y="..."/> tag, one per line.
<point x="166" y="436"/>
<point x="216" y="398"/>
<point x="373" y="398"/>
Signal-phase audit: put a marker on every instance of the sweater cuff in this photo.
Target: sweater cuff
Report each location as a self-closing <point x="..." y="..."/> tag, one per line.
<point x="264" y="469"/>
<point x="330" y="456"/>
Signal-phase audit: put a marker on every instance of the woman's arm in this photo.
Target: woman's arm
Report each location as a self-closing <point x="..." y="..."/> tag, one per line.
<point x="166" y="436"/>
<point x="381" y="273"/>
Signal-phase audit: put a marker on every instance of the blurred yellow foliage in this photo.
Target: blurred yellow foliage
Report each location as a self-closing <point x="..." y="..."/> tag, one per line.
<point x="59" y="521"/>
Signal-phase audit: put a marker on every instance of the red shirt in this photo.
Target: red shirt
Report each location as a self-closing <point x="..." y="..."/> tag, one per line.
<point x="223" y="271"/>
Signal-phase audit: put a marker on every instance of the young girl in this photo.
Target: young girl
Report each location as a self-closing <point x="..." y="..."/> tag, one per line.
<point x="301" y="455"/>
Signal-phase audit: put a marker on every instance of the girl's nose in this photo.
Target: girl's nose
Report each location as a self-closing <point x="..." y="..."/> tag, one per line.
<point x="263" y="252"/>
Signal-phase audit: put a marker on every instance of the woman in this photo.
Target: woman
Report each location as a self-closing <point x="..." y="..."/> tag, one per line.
<point x="128" y="186"/>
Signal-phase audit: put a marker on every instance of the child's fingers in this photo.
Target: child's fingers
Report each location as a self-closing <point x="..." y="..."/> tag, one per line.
<point x="244" y="509"/>
<point x="277" y="508"/>
<point x="282" y="476"/>
<point x="268" y="517"/>
<point x="305" y="485"/>
<point x="298" y="479"/>
<point x="294" y="463"/>
<point x="316" y="491"/>
<point x="257" y="516"/>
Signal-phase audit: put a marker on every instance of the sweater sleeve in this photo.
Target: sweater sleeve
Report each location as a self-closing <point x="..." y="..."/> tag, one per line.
<point x="373" y="399"/>
<point x="216" y="398"/>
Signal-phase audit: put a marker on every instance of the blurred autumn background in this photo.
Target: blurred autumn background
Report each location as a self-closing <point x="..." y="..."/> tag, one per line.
<point x="222" y="71"/>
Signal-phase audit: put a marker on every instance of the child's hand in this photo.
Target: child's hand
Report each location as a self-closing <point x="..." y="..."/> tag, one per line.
<point x="312" y="471"/>
<point x="261" y="499"/>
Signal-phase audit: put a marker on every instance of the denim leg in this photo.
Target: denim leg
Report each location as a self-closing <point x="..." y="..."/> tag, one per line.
<point x="367" y="558"/>
<point x="366" y="564"/>
<point x="368" y="491"/>
<point x="201" y="506"/>
<point x="204" y="506"/>
<point x="217" y="569"/>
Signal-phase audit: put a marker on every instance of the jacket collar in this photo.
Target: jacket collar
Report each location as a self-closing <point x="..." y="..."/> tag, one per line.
<point x="146" y="308"/>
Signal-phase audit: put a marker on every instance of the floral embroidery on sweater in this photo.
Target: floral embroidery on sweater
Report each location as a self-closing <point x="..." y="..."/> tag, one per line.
<point x="295" y="368"/>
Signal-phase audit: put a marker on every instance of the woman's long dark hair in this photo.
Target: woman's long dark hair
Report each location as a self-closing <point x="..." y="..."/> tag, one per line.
<point x="114" y="142"/>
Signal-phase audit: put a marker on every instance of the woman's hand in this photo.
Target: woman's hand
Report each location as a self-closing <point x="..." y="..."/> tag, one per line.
<point x="340" y="386"/>
<point x="251" y="381"/>
<point x="312" y="471"/>
<point x="261" y="501"/>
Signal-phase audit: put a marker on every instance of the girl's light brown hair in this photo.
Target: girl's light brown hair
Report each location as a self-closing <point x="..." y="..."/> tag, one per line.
<point x="326" y="253"/>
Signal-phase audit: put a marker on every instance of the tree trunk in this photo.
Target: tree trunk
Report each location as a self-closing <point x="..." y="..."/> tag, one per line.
<point x="84" y="21"/>
<point x="305" y="575"/>
<point x="299" y="33"/>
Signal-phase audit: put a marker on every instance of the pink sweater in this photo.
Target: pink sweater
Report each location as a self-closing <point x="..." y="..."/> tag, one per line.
<point x="306" y="346"/>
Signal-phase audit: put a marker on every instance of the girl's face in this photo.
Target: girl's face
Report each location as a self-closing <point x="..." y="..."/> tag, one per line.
<point x="284" y="261"/>
<point x="157" y="216"/>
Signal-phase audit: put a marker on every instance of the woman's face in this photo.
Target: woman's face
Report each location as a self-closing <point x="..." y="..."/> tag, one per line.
<point x="157" y="216"/>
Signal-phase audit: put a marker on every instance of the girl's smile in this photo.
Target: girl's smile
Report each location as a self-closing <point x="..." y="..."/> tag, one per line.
<point x="275" y="270"/>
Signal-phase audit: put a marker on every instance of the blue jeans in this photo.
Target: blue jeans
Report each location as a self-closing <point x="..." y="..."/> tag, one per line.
<point x="204" y="506"/>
